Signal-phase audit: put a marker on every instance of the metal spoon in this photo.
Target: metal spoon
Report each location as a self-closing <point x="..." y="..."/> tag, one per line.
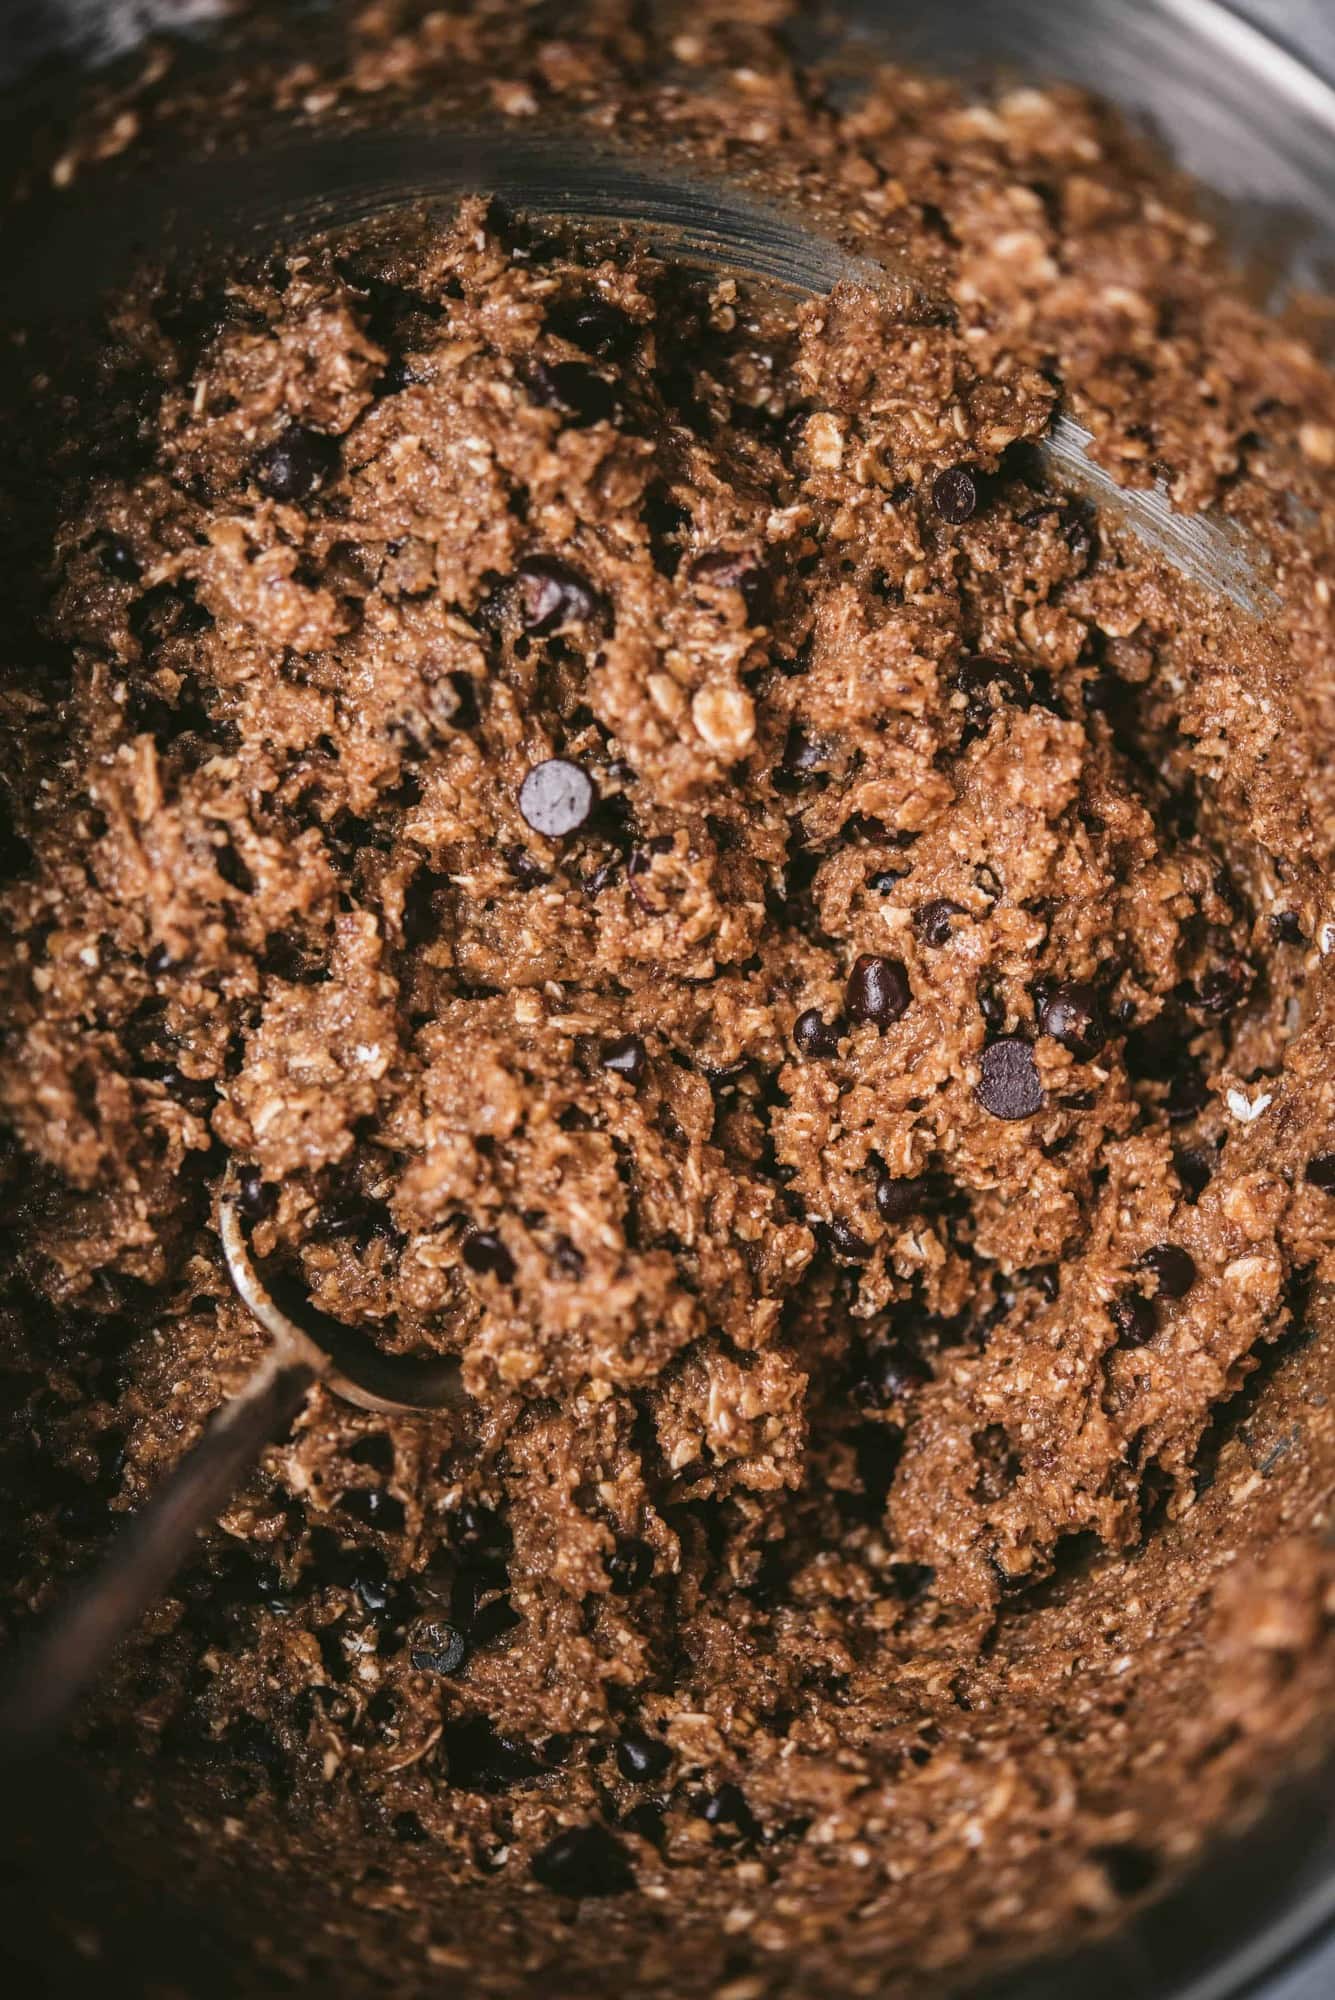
<point x="58" y="1664"/>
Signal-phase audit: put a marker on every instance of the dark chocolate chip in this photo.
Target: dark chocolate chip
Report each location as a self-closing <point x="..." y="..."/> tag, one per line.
<point x="1223" y="986"/>
<point x="297" y="463"/>
<point x="556" y="798"/>
<point x="595" y="324"/>
<point x="479" y="1759"/>
<point x="1321" y="1172"/>
<point x="1072" y="1015"/>
<point x="646" y="1821"/>
<point x="1174" y="1267"/>
<point x="893" y="1373"/>
<point x="728" y="1807"/>
<point x="878" y="990"/>
<point x="584" y="1861"/>
<point x="553" y="595"/>
<point x="484" y="1252"/>
<point x="932" y="920"/>
<point x="1194" y="1169"/>
<point x="897" y="1200"/>
<point x="1135" y="1319"/>
<point x="475" y="1527"/>
<point x="626" y="1056"/>
<point x="630" y="1565"/>
<point x="1286" y="927"/>
<point x="991" y="1004"/>
<point x="1009" y="1085"/>
<point x="1130" y="1870"/>
<point x="978" y="677"/>
<point x="1188" y="1094"/>
<point x="440" y="1649"/>
<point x="602" y="877"/>
<point x="813" y="1037"/>
<point x="527" y="872"/>
<point x="955" y="494"/>
<point x="572" y="387"/>
<point x="642" y="1758"/>
<point x="843" y="1241"/>
<point x="735" y="569"/>
<point x="256" y="1197"/>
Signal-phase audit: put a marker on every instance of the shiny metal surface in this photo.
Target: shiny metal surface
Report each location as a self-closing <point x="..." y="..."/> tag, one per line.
<point x="1255" y="123"/>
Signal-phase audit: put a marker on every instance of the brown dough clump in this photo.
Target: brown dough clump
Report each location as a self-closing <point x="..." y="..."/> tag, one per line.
<point x="682" y="874"/>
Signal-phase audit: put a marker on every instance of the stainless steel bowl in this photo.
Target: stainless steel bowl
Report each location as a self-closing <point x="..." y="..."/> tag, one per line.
<point x="1251" y="120"/>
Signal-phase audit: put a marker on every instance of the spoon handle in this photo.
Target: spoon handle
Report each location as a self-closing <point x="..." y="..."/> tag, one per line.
<point x="42" y="1683"/>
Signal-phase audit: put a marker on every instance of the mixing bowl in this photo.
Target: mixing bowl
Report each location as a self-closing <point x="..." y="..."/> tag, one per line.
<point x="86" y="1898"/>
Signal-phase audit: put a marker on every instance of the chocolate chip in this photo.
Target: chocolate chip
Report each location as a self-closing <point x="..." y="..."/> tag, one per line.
<point x="118" y="559"/>
<point x="843" y="1241"/>
<point x="1135" y="1319"/>
<point x="1223" y="986"/>
<point x="898" y="1199"/>
<point x="297" y="463"/>
<point x="1321" y="1172"/>
<point x="479" y="1759"/>
<point x="1286" y="927"/>
<point x="256" y="1197"/>
<point x="991" y="1003"/>
<point x="642" y="1758"/>
<point x="1130" y="1870"/>
<point x="1009" y="1085"/>
<point x="475" y="1527"/>
<point x="979" y="676"/>
<point x="572" y="387"/>
<point x="932" y="920"/>
<point x="639" y="863"/>
<point x="735" y="569"/>
<point x="1188" y="1094"/>
<point x="893" y="1373"/>
<point x="602" y="877"/>
<point x="1194" y="1169"/>
<point x="556" y="798"/>
<point x="728" y="1807"/>
<point x="553" y="595"/>
<point x="407" y="1827"/>
<point x="1174" y="1267"/>
<point x="626" y="1056"/>
<point x="484" y="1252"/>
<point x="441" y="1649"/>
<point x="595" y="324"/>
<point x="813" y="1038"/>
<point x="878" y="990"/>
<point x="1072" y="1015"/>
<point x="955" y="494"/>
<point x="646" y="1821"/>
<point x="630" y="1565"/>
<point x="584" y="1861"/>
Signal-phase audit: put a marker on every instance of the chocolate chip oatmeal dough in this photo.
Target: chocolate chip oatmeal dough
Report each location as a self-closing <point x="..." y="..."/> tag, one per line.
<point x="682" y="874"/>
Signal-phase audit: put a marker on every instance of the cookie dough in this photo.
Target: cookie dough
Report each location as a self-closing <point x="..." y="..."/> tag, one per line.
<point x="679" y="871"/>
